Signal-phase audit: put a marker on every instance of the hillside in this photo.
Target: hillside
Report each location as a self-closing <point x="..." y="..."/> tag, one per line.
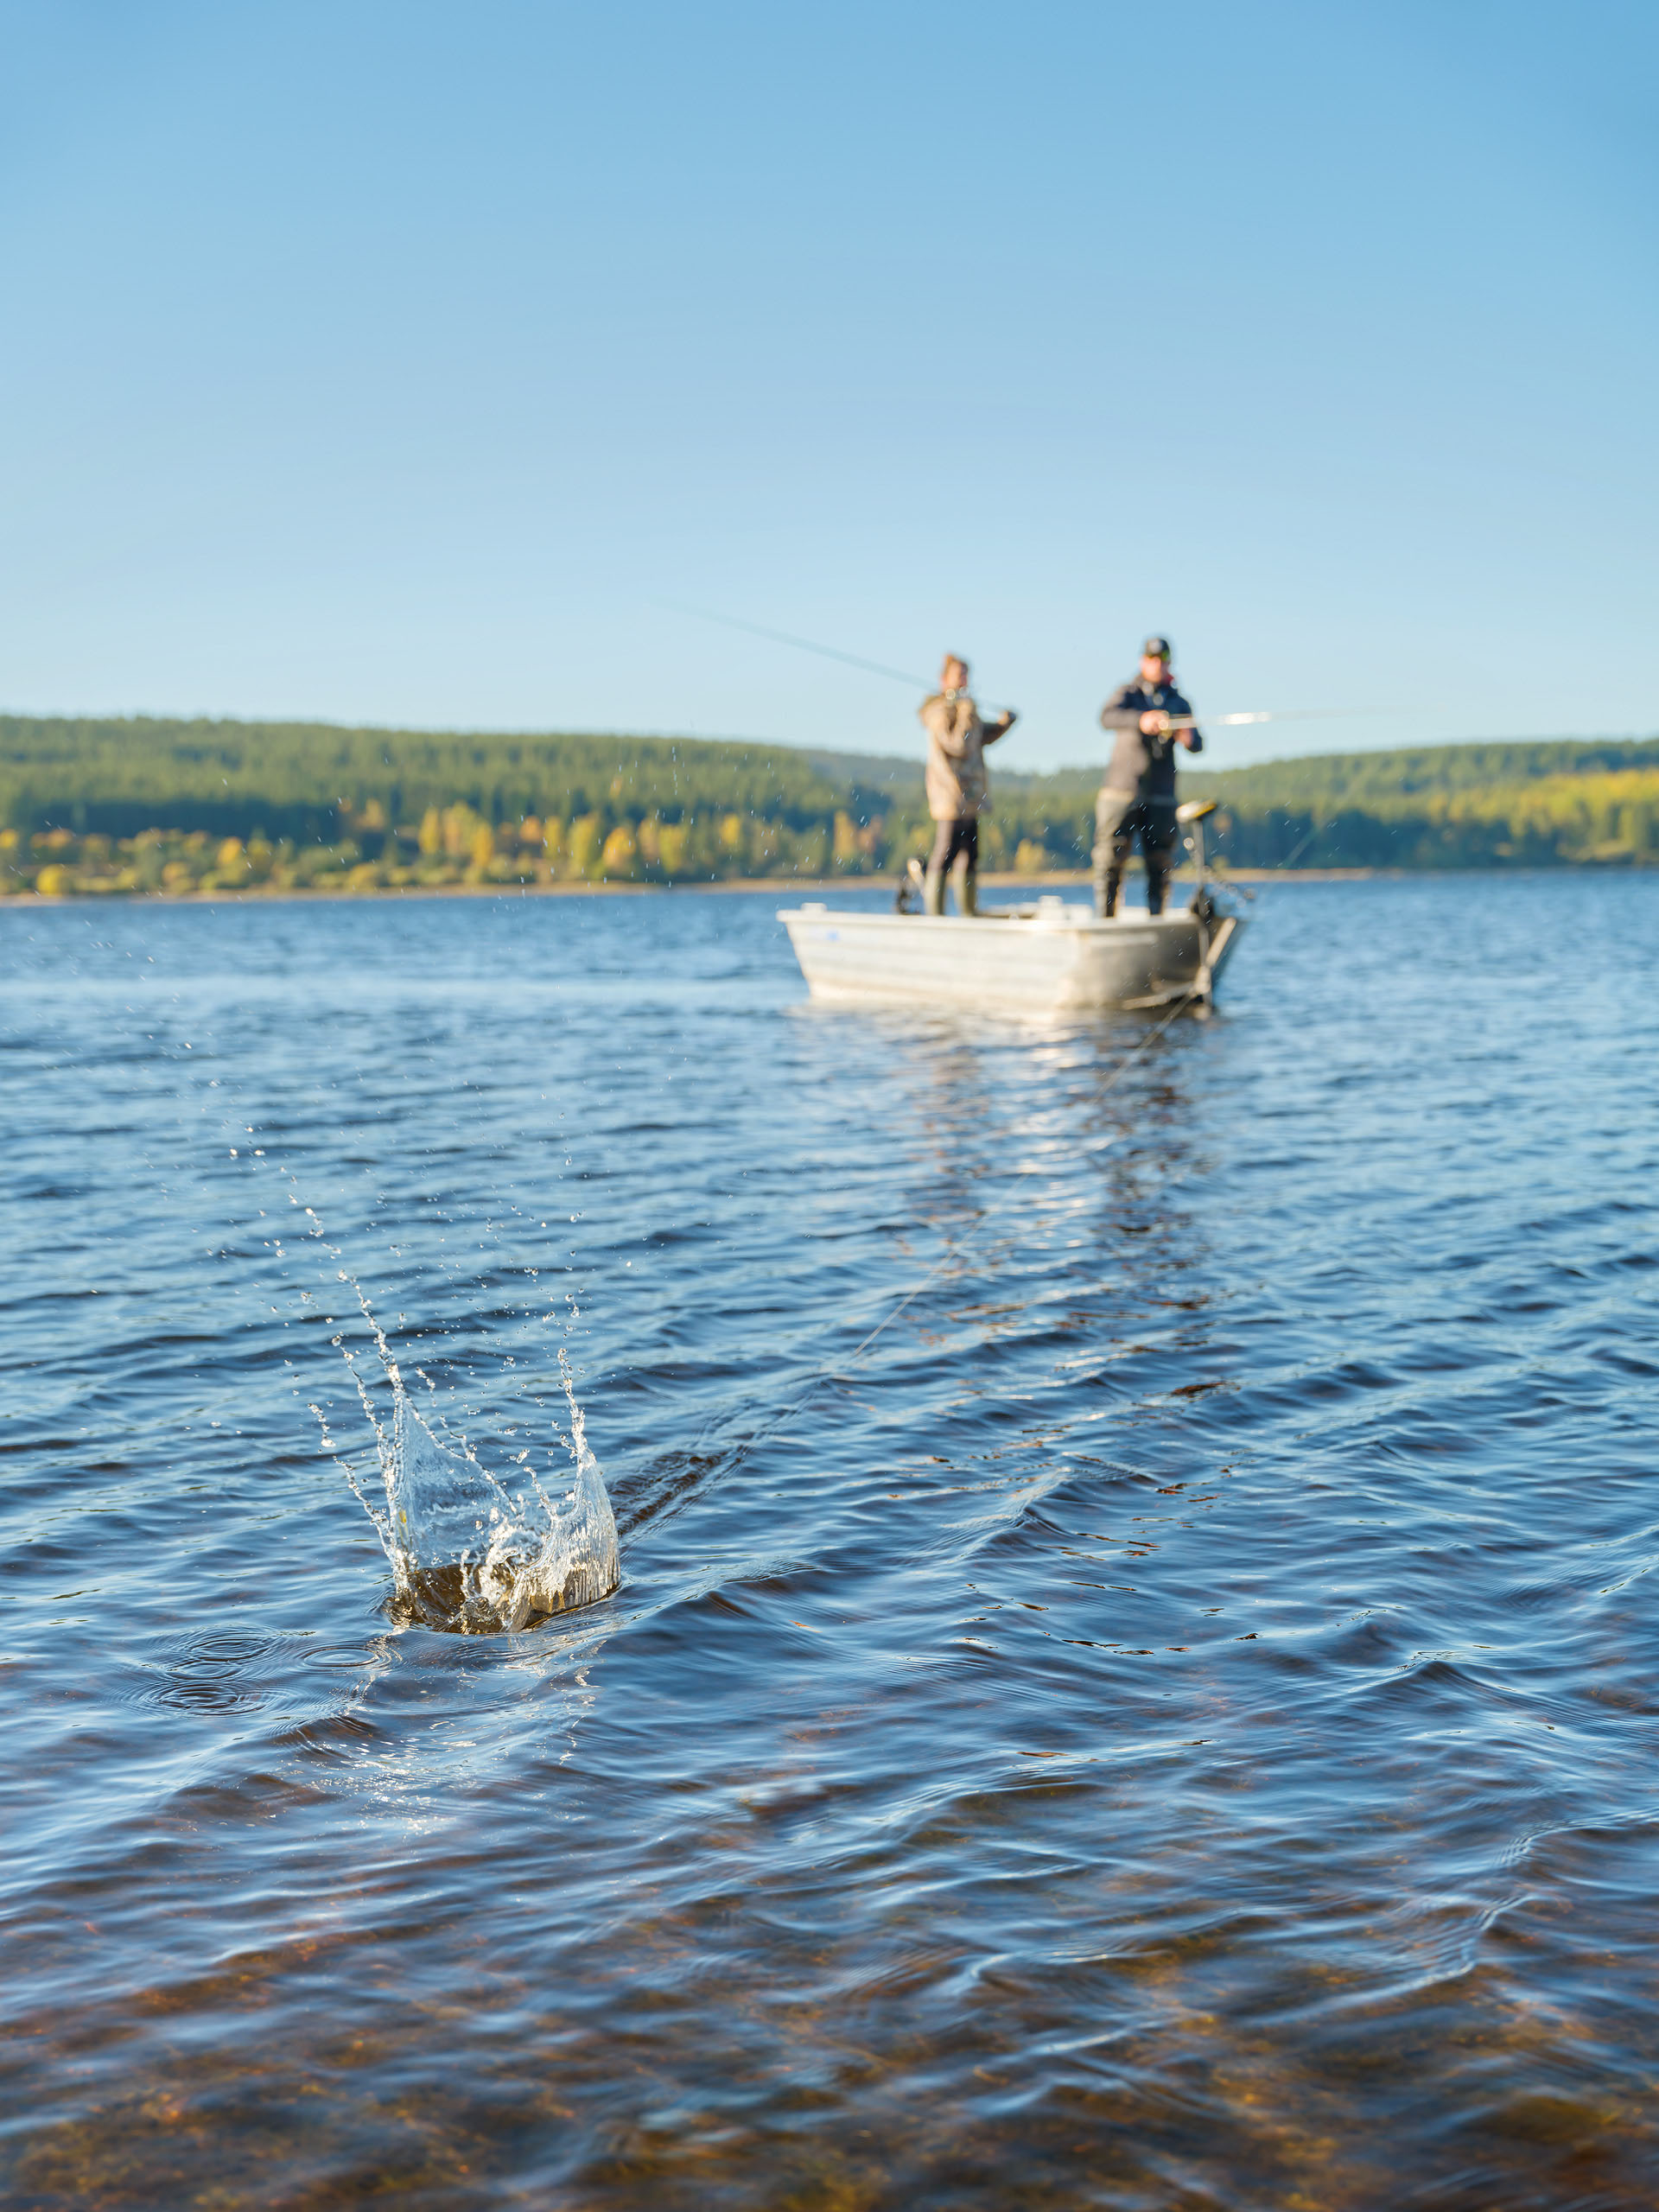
<point x="1538" y="804"/>
<point x="143" y="805"/>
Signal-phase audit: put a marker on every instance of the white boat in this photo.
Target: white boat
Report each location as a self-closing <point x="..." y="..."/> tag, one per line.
<point x="1047" y="957"/>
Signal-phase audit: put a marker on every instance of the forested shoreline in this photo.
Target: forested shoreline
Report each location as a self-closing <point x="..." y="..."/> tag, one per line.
<point x="150" y="805"/>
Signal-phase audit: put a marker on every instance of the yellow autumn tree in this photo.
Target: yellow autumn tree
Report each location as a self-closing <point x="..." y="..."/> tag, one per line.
<point x="585" y="840"/>
<point x="617" y="858"/>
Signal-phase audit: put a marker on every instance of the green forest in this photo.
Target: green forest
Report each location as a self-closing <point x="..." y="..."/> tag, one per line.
<point x="135" y="806"/>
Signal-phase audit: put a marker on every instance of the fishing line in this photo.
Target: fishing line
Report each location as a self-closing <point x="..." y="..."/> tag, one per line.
<point x="1291" y="859"/>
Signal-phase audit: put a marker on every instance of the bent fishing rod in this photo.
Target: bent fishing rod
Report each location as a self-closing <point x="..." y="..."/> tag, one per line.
<point x="811" y="645"/>
<point x="803" y="645"/>
<point x="923" y="683"/>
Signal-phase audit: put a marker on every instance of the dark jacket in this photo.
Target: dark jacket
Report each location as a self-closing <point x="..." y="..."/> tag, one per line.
<point x="1143" y="765"/>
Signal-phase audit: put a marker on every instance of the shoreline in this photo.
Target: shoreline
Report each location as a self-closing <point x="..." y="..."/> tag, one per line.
<point x="780" y="887"/>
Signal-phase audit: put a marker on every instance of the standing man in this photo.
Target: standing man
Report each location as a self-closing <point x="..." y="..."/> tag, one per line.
<point x="1148" y="718"/>
<point x="957" y="786"/>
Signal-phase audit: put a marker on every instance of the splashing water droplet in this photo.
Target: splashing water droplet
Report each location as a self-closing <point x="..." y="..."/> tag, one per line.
<point x="538" y="1555"/>
<point x="453" y="1569"/>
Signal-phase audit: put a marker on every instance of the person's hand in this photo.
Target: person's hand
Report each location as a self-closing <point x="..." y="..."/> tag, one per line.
<point x="1154" y="723"/>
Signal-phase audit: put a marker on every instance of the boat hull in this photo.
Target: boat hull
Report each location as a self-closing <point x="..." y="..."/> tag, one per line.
<point x="1050" y="959"/>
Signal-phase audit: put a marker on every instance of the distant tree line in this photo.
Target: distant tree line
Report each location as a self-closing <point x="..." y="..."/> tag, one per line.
<point x="1548" y="804"/>
<point x="135" y="805"/>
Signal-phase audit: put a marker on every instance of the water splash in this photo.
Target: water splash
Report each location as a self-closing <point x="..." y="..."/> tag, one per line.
<point x="472" y="1551"/>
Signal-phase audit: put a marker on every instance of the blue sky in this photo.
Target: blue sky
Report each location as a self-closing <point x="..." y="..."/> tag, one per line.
<point x="412" y="364"/>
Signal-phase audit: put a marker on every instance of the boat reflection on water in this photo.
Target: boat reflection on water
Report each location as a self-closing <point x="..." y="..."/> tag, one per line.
<point x="1075" y="1147"/>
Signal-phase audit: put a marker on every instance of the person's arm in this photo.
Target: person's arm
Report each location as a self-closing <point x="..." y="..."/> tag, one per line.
<point x="940" y="723"/>
<point x="990" y="732"/>
<point x="1122" y="709"/>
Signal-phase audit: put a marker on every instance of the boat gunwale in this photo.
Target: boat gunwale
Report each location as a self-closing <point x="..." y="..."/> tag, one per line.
<point x="1049" y="925"/>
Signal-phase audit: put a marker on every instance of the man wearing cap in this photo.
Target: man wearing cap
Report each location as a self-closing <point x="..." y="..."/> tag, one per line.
<point x="957" y="786"/>
<point x="1148" y="719"/>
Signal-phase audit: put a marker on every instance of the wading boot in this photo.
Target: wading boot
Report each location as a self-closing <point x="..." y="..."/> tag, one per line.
<point x="966" y="884"/>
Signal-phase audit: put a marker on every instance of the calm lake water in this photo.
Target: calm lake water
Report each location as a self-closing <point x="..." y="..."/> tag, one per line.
<point x="1169" y="1721"/>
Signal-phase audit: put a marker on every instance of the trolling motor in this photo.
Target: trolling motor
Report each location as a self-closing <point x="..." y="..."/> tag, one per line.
<point x="1216" y="922"/>
<point x="1206" y="910"/>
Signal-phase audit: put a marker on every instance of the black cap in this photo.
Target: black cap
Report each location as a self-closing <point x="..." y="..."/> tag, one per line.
<point x="1156" y="648"/>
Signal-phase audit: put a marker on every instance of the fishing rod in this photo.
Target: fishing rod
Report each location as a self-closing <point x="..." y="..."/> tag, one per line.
<point x="922" y="684"/>
<point x="1289" y="714"/>
<point x="804" y="645"/>
<point x="811" y="645"/>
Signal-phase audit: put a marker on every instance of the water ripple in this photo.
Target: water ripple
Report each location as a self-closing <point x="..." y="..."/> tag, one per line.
<point x="1132" y="1679"/>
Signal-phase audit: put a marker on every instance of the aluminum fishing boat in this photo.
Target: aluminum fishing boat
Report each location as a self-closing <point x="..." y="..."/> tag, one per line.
<point x="1046" y="957"/>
